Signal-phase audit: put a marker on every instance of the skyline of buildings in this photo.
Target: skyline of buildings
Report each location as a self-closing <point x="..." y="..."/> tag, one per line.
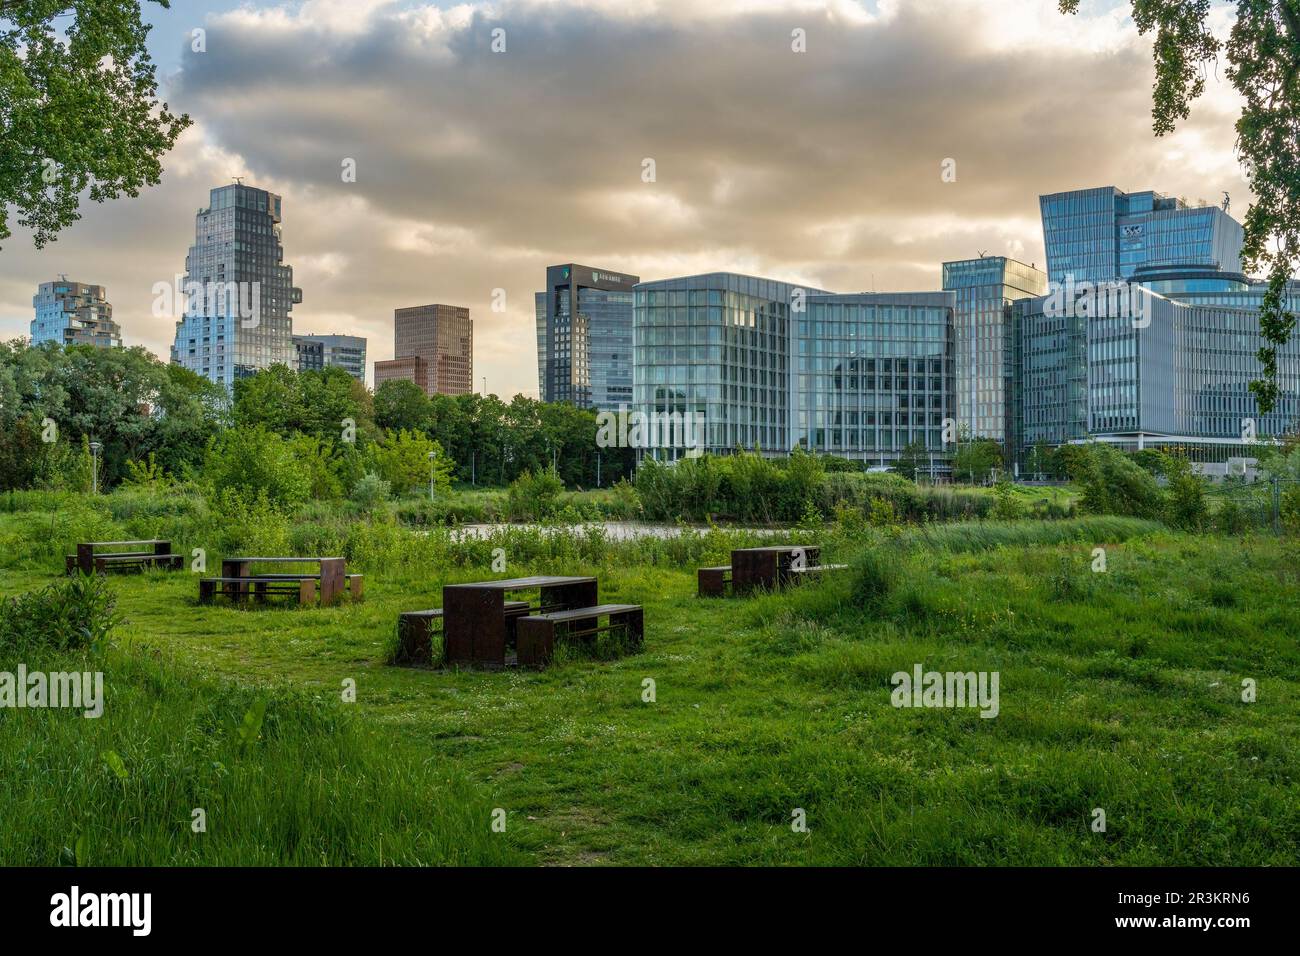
<point x="769" y="364"/>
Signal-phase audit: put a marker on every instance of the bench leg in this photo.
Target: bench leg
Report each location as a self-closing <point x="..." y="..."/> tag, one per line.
<point x="307" y="591"/>
<point x="206" y="591"/>
<point x="358" y="589"/>
<point x="633" y="623"/>
<point x="414" y="641"/>
<point x="535" y="641"/>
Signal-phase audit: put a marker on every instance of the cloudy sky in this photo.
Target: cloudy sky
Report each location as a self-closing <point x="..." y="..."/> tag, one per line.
<point x="477" y="169"/>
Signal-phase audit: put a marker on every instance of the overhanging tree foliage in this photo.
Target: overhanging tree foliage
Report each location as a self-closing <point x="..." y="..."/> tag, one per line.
<point x="78" y="109"/>
<point x="1263" y="54"/>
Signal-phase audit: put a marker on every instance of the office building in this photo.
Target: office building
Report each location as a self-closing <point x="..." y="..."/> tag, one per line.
<point x="433" y="346"/>
<point x="984" y="290"/>
<point x="1103" y="234"/>
<point x="74" y="313"/>
<point x="772" y="366"/>
<point x="347" y="352"/>
<point x="584" y="337"/>
<point x="237" y="290"/>
<point x="1162" y="360"/>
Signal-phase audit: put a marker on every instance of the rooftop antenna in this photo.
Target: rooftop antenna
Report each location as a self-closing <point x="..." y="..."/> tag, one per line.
<point x="983" y="253"/>
<point x="239" y="180"/>
<point x="1227" y="202"/>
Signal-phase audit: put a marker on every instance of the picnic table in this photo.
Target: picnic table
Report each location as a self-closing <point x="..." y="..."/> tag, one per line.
<point x="475" y="621"/>
<point x="238" y="580"/>
<point x="770" y="567"/>
<point x="151" y="552"/>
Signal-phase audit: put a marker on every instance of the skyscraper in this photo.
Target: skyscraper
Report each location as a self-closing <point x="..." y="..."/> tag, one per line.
<point x="237" y="290"/>
<point x="74" y="313"/>
<point x="1105" y="235"/>
<point x="584" y="337"/>
<point x="433" y="346"/>
<point x="984" y="289"/>
<point x="347" y="352"/>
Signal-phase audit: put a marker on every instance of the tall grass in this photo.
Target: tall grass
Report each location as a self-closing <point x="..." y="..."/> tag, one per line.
<point x="281" y="780"/>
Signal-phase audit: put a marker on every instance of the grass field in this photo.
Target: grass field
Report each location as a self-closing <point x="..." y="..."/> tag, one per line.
<point x="1119" y="691"/>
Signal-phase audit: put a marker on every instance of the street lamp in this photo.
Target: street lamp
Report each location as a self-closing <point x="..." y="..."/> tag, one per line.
<point x="94" y="467"/>
<point x="433" y="455"/>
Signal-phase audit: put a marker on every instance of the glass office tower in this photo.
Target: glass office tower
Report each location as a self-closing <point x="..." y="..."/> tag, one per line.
<point x="236" y="266"/>
<point x="74" y="313"/>
<point x="873" y="373"/>
<point x="771" y="366"/>
<point x="1103" y="234"/>
<point x="984" y="289"/>
<point x="584" y="337"/>
<point x="1178" y="377"/>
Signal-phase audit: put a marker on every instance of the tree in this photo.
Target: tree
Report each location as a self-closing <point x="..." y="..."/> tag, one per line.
<point x="78" y="109"/>
<point x="911" y="460"/>
<point x="401" y="404"/>
<point x="402" y="460"/>
<point x="1263" y="52"/>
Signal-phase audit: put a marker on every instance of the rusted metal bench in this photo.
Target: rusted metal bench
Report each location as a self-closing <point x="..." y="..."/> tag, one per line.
<point x="714" y="582"/>
<point x="86" y="560"/>
<point x="537" y="633"/>
<point x="415" y="630"/>
<point x="260" y="587"/>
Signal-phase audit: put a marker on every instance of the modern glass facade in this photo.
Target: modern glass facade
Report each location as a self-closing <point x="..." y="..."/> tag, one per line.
<point x="1179" y="376"/>
<point x="347" y="352"/>
<point x="1103" y="234"/>
<point x="74" y="313"/>
<point x="238" y="290"/>
<point x="584" y="355"/>
<point x="873" y="373"/>
<point x="771" y="366"/>
<point x="984" y="289"/>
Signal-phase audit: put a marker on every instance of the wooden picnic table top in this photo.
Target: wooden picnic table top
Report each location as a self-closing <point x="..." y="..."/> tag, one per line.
<point x="518" y="584"/>
<point x="779" y="547"/>
<point x="114" y="544"/>
<point x="282" y="560"/>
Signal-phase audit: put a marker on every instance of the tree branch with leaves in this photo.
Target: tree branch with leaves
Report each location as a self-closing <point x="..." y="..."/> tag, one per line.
<point x="78" y="110"/>
<point x="1263" y="65"/>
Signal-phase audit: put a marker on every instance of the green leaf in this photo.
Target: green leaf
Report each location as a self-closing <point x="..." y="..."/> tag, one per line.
<point x="115" y="764"/>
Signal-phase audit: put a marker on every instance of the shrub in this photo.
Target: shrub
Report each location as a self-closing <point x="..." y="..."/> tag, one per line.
<point x="875" y="574"/>
<point x="74" y="614"/>
<point x="1006" y="505"/>
<point x="1112" y="483"/>
<point x="1186" y="506"/>
<point x="253" y="461"/>
<point x="371" y="491"/>
<point x="533" y="497"/>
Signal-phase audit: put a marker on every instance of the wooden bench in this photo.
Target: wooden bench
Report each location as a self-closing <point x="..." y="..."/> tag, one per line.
<point x="87" y="560"/>
<point x="259" y="587"/>
<point x="803" y="574"/>
<point x="537" y="633"/>
<point x="415" y="631"/>
<point x="714" y="582"/>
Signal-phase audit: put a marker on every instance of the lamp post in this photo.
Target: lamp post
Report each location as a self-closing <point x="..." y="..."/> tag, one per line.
<point x="433" y="455"/>
<point x="94" y="467"/>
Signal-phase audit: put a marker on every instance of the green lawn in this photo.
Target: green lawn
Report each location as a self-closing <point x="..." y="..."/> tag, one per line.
<point x="1119" y="691"/>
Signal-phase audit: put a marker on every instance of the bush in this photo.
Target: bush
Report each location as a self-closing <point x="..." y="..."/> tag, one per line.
<point x="75" y="614"/>
<point x="1187" y="508"/>
<point x="875" y="574"/>
<point x="371" y="491"/>
<point x="253" y="461"/>
<point x="533" y="497"/>
<point x="1112" y="483"/>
